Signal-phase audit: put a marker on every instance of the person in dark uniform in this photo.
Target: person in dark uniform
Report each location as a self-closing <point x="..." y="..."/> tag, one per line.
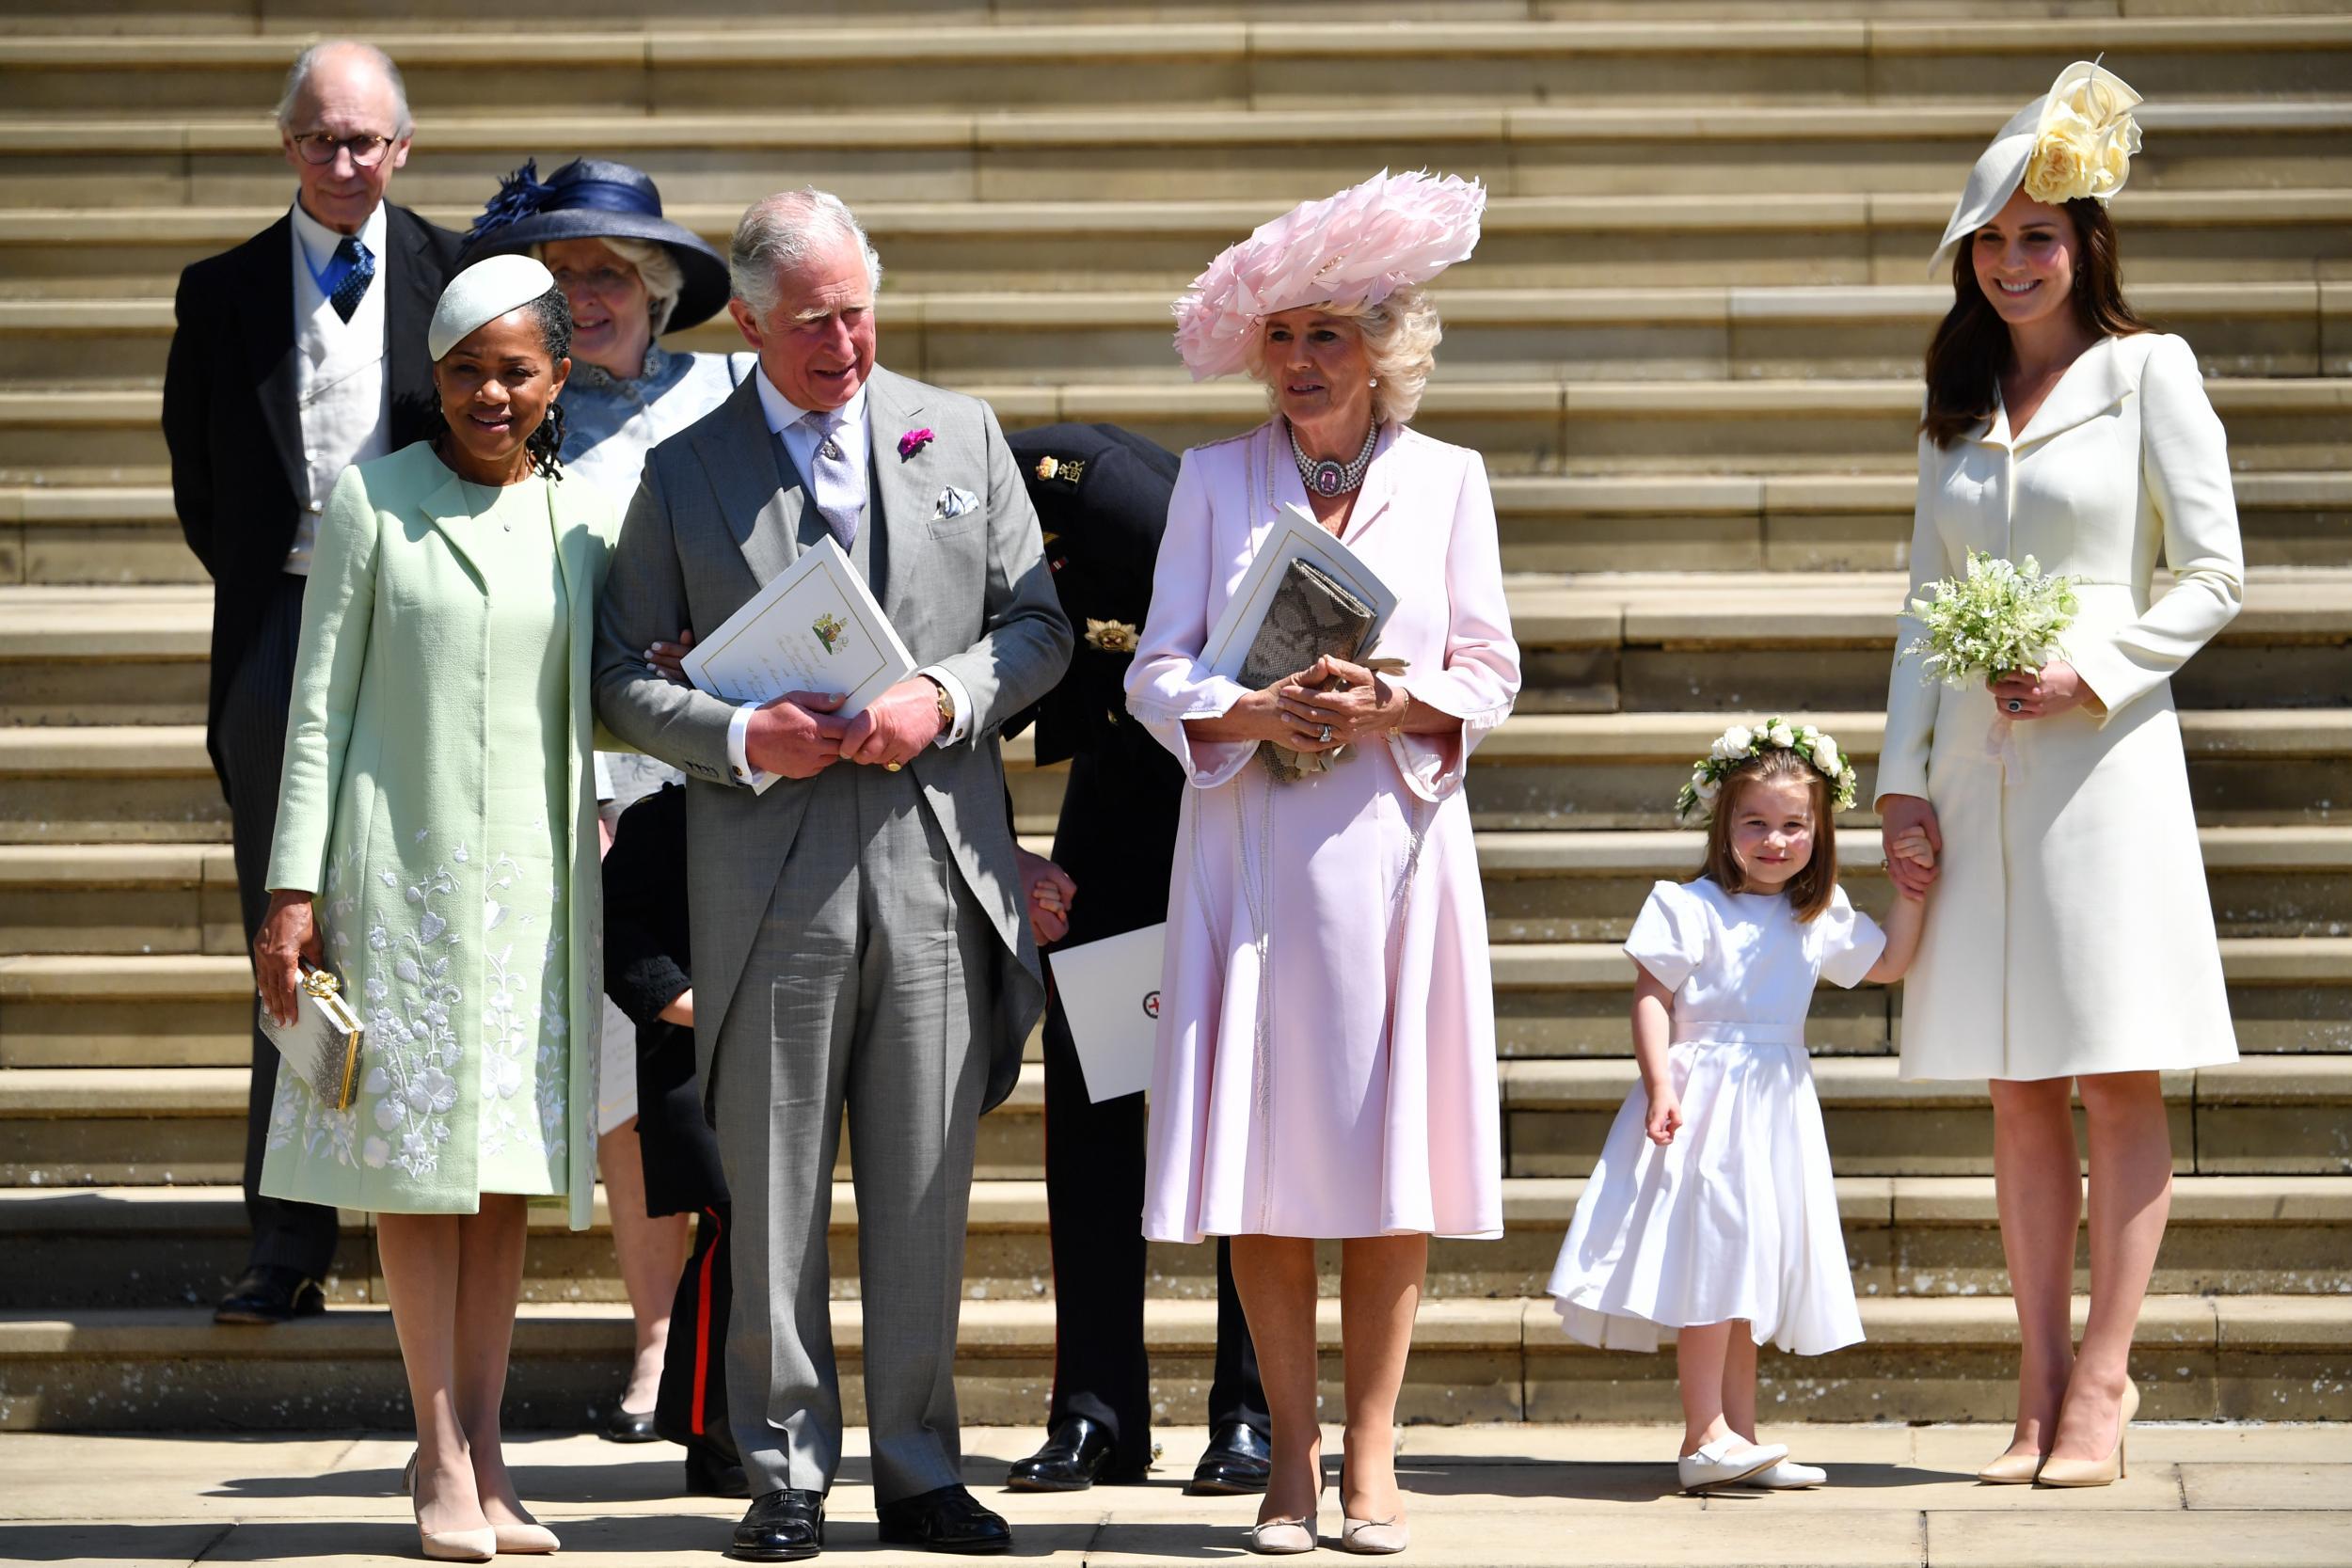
<point x="648" y="966"/>
<point x="1102" y="495"/>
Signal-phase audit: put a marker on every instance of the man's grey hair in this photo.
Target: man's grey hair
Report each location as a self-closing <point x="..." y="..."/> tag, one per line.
<point x="784" y="231"/>
<point x="299" y="77"/>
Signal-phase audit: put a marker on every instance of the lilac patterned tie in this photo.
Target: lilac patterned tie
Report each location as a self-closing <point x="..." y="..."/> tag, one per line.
<point x="356" y="264"/>
<point x="837" y="481"/>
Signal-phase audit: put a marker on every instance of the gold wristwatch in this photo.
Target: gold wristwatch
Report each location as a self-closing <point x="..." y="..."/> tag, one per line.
<point x="946" y="706"/>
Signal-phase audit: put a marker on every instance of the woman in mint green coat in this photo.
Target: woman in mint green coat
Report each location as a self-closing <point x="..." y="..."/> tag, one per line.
<point x="437" y="808"/>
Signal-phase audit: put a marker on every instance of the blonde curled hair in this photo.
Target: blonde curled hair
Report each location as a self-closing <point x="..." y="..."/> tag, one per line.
<point x="1401" y="336"/>
<point x="663" y="278"/>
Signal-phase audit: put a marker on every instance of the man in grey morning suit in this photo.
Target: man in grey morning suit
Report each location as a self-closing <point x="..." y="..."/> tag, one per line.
<point x="857" y="928"/>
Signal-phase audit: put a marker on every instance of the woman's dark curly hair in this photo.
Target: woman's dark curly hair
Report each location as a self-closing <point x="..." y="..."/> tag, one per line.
<point x="553" y="314"/>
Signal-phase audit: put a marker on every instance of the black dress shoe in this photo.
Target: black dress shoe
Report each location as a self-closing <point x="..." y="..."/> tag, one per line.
<point x="711" y="1473"/>
<point x="1077" y="1454"/>
<point x="782" y="1527"/>
<point x="1237" y="1460"/>
<point x="947" y="1520"/>
<point x="267" y="1293"/>
<point x="617" y="1425"/>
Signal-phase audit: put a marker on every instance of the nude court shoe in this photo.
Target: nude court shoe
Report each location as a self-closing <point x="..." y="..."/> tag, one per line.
<point x="2095" y="1472"/>
<point x="2013" y="1469"/>
<point x="450" y="1546"/>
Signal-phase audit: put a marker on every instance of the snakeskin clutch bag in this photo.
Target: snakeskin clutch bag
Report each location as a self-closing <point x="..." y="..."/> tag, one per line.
<point x="1311" y="615"/>
<point x="322" y="1045"/>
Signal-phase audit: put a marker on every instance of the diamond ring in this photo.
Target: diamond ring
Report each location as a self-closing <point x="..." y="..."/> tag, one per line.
<point x="1326" y="734"/>
<point x="2016" y="704"/>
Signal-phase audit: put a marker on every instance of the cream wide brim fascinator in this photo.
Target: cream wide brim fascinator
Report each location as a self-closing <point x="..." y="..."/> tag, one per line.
<point x="2076" y="140"/>
<point x="1355" y="249"/>
<point x="481" y="293"/>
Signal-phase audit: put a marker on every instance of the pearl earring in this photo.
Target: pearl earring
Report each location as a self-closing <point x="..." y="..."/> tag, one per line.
<point x="1375" y="381"/>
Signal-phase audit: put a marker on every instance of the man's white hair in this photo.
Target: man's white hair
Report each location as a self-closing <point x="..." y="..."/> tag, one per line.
<point x="299" y="77"/>
<point x="784" y="231"/>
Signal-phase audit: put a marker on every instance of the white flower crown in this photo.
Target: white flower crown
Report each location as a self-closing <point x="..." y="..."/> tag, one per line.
<point x="1741" y="743"/>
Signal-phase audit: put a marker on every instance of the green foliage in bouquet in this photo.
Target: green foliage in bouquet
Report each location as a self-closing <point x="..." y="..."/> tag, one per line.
<point x="2001" y="618"/>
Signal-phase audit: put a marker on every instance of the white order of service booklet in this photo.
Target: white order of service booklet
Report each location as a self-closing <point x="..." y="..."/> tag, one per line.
<point x="1110" y="994"/>
<point x="1294" y="533"/>
<point x="814" y="627"/>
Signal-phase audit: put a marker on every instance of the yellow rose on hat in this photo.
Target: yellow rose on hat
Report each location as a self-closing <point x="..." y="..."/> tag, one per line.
<point x="2085" y="143"/>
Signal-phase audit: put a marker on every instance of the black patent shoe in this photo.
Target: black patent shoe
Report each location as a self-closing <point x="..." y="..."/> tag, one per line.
<point x="712" y="1474"/>
<point x="782" y="1527"/>
<point x="1077" y="1454"/>
<point x="949" y="1519"/>
<point x="1236" y="1460"/>
<point x="617" y="1425"/>
<point x="267" y="1293"/>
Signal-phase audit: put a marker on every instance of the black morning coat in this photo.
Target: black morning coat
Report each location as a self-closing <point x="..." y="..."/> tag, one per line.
<point x="230" y="415"/>
<point x="1117" y="836"/>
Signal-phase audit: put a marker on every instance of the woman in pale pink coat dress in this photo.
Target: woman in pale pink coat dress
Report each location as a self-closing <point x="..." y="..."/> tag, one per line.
<point x="1326" y="1056"/>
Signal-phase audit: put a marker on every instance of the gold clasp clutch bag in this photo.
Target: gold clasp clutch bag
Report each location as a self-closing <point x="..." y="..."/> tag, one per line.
<point x="322" y="1045"/>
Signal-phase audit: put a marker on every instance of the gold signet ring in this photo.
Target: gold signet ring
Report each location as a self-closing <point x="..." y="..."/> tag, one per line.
<point x="890" y="767"/>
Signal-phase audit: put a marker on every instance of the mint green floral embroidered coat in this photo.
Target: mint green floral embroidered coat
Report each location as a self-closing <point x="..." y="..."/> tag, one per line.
<point x="382" y="811"/>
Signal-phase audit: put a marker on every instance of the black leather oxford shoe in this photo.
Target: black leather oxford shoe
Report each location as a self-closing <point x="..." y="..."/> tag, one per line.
<point x="782" y="1527"/>
<point x="1077" y="1454"/>
<point x="947" y="1520"/>
<point x="1237" y="1460"/>
<point x="267" y="1293"/>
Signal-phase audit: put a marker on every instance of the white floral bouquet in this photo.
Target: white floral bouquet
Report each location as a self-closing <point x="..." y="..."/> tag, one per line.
<point x="2002" y="617"/>
<point x="1739" y="743"/>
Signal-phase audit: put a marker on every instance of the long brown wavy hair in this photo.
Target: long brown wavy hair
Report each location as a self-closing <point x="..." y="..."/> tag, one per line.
<point x="1971" y="346"/>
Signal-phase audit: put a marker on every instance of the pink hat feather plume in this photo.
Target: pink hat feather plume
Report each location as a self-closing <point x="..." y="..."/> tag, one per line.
<point x="1355" y="249"/>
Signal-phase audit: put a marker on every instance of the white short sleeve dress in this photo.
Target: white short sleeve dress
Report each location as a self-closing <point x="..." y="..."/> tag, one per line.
<point x="1738" y="1218"/>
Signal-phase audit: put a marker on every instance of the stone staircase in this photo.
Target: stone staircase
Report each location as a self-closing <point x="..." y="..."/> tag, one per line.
<point x="1688" y="348"/>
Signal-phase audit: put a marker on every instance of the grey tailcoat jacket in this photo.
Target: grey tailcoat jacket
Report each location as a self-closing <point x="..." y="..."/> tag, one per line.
<point x="716" y="515"/>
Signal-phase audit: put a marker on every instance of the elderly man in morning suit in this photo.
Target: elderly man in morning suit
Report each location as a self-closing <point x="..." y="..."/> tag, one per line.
<point x="298" y="354"/>
<point x="857" y="928"/>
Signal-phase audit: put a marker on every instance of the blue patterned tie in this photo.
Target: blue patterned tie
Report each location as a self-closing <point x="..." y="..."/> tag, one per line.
<point x="357" y="264"/>
<point x="838" y="481"/>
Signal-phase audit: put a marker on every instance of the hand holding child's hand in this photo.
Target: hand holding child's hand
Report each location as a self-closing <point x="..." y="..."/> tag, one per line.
<point x="1913" y="845"/>
<point x="1665" y="1118"/>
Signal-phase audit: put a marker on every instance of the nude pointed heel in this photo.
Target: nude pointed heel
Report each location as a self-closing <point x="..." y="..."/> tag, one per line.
<point x="2095" y="1472"/>
<point x="2013" y="1469"/>
<point x="449" y="1545"/>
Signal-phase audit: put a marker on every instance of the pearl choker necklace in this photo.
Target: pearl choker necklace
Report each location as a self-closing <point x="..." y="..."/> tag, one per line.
<point x="1328" y="477"/>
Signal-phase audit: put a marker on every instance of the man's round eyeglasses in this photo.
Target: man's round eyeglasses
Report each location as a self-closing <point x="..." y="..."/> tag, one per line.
<point x="320" y="147"/>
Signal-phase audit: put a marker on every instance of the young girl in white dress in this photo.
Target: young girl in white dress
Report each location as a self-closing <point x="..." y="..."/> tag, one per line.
<point x="1712" y="1211"/>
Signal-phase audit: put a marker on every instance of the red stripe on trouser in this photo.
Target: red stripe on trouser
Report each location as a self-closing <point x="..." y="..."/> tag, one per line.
<point x="702" y="1320"/>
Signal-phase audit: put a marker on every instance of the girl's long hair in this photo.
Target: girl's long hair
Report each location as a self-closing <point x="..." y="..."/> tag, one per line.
<point x="1971" y="346"/>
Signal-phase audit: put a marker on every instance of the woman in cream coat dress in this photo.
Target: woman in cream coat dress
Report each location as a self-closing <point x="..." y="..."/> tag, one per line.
<point x="2071" y="942"/>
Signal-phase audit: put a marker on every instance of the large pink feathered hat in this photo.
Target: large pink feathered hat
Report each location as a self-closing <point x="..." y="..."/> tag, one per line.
<point x="1355" y="249"/>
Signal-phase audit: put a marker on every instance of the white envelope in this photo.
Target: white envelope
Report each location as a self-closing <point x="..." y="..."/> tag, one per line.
<point x="1110" y="994"/>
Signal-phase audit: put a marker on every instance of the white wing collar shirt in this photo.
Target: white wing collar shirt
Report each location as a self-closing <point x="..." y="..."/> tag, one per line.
<point x="786" y="421"/>
<point x="342" y="395"/>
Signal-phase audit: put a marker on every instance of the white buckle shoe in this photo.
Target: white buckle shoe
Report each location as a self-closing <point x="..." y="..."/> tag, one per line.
<point x="1725" y="1461"/>
<point x="1788" y="1476"/>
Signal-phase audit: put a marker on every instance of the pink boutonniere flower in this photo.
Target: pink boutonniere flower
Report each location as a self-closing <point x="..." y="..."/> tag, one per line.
<point x="913" y="442"/>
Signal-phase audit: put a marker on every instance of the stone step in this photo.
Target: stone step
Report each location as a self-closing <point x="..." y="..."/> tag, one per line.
<point x="1722" y="239"/>
<point x="70" y="436"/>
<point x="1226" y="65"/>
<point x="2200" y="1358"/>
<point x="83" y="1127"/>
<point x="58" y="537"/>
<point x="1023" y="155"/>
<point x="92" y="785"/>
<point x="1637" y="643"/>
<point x="423" y="20"/>
<point x="1666" y="334"/>
<point x="1905" y="1236"/>
<point x="174" y="1006"/>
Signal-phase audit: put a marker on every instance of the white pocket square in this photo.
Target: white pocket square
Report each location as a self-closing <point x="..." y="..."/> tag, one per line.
<point x="954" y="504"/>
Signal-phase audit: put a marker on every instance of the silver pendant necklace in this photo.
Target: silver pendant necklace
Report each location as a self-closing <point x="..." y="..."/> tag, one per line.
<point x="1329" y="477"/>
